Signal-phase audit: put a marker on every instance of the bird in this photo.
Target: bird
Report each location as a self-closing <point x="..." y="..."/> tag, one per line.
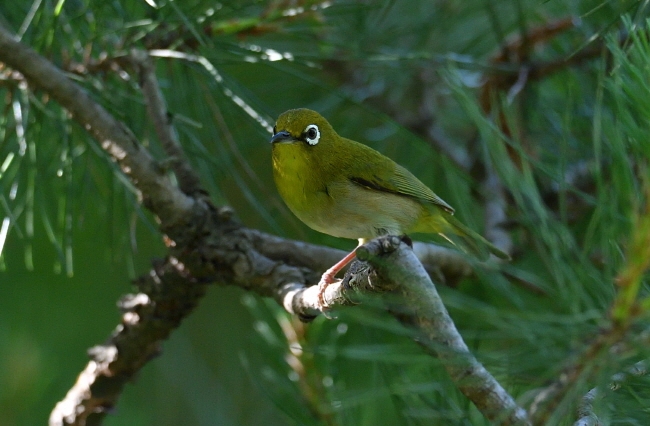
<point x="346" y="189"/>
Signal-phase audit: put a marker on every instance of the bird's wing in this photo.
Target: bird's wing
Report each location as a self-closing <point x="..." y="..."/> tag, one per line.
<point x="402" y="182"/>
<point x="408" y="184"/>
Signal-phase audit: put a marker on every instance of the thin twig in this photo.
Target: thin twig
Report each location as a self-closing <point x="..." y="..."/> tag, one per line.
<point x="161" y="118"/>
<point x="548" y="398"/>
<point x="586" y="412"/>
<point x="496" y="204"/>
<point x="609" y="342"/>
<point x="309" y="381"/>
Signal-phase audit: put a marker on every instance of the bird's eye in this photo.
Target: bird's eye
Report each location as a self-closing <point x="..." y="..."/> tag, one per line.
<point x="275" y="130"/>
<point x="312" y="134"/>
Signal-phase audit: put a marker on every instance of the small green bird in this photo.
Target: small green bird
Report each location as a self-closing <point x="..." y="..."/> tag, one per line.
<point x="346" y="189"/>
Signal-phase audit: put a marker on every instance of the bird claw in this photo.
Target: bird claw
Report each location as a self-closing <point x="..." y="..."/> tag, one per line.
<point x="328" y="278"/>
<point x="325" y="281"/>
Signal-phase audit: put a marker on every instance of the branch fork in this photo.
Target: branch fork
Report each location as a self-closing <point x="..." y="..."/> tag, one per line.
<point x="207" y="245"/>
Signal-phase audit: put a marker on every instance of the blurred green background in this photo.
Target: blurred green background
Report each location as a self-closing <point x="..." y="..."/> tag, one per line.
<point x="420" y="81"/>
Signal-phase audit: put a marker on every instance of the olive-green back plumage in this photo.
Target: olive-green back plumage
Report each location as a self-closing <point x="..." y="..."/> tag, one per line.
<point x="346" y="189"/>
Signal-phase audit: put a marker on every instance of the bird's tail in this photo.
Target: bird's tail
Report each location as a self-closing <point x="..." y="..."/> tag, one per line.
<point x="470" y="241"/>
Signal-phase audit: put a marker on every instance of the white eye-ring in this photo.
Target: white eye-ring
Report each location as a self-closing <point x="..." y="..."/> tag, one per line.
<point x="312" y="134"/>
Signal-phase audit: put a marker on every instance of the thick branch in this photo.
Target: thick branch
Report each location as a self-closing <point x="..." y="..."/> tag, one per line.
<point x="445" y="265"/>
<point x="168" y="296"/>
<point x="226" y="254"/>
<point x="398" y="268"/>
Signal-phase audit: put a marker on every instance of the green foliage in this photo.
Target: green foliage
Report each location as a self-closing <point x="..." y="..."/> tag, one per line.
<point x="72" y="231"/>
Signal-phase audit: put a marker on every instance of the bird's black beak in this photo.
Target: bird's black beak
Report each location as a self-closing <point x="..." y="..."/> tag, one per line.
<point x="282" y="136"/>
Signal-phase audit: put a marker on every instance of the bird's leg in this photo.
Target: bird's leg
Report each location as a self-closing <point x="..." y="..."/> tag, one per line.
<point x="328" y="276"/>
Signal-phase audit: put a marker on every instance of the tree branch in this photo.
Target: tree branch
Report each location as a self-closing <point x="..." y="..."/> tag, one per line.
<point x="397" y="268"/>
<point x="206" y="244"/>
<point x="586" y="410"/>
<point x="166" y="201"/>
<point x="168" y="295"/>
<point x="585" y="368"/>
<point x="586" y="414"/>
<point x="188" y="181"/>
<point x="445" y="265"/>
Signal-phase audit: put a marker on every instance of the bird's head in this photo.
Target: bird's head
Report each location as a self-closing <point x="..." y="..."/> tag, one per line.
<point x="302" y="126"/>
